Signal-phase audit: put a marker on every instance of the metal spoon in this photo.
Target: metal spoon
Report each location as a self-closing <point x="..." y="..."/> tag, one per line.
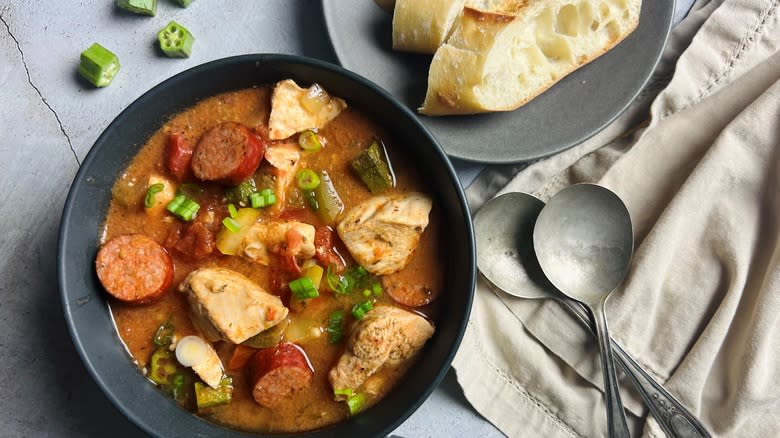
<point x="505" y="257"/>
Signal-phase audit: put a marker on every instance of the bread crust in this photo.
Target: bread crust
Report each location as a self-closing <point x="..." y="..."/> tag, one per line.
<point x="466" y="69"/>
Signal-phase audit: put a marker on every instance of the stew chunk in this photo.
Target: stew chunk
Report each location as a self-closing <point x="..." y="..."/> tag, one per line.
<point x="287" y="238"/>
<point x="226" y="305"/>
<point x="381" y="233"/>
<point x="295" y="109"/>
<point x="386" y="336"/>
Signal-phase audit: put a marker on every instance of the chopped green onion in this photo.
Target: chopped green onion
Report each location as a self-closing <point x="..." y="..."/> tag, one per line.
<point x="263" y="198"/>
<point x="175" y="40"/>
<point x="184" y="3"/>
<point x="145" y="7"/>
<point x="335" y="326"/>
<point x="366" y="293"/>
<point x="360" y="310"/>
<point x="232" y="211"/>
<point x="307" y="179"/>
<point x="376" y="289"/>
<point x="355" y="278"/>
<point x="347" y="392"/>
<point x="256" y="200"/>
<point x="309" y="141"/>
<point x="163" y="337"/>
<point x="231" y="224"/>
<point x="98" y="65"/>
<point x="183" y="207"/>
<point x="303" y="288"/>
<point x="150" y="192"/>
<point x="355" y="403"/>
<point x="335" y="281"/>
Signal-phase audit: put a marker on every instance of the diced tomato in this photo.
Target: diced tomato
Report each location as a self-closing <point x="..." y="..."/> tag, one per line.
<point x="240" y="357"/>
<point x="325" y="249"/>
<point x="194" y="241"/>
<point x="178" y="156"/>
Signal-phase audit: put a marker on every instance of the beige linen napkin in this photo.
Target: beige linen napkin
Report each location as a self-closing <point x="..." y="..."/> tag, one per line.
<point x="700" y="309"/>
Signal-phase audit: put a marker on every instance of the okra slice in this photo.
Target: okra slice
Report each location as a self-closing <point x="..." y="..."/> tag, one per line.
<point x="184" y="3"/>
<point x="175" y="40"/>
<point x="144" y="7"/>
<point x="98" y="65"/>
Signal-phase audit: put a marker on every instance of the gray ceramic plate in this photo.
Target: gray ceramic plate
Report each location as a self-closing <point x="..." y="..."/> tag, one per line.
<point x="570" y="112"/>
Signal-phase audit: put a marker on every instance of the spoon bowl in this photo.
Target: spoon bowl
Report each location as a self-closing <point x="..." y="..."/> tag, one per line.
<point x="583" y="240"/>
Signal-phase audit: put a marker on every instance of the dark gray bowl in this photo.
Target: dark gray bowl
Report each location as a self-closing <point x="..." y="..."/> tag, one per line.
<point x="87" y="313"/>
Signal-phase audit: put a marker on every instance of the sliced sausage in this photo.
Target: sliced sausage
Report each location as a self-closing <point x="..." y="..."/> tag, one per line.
<point x="228" y="153"/>
<point x="134" y="268"/>
<point x="277" y="373"/>
<point x="178" y="157"/>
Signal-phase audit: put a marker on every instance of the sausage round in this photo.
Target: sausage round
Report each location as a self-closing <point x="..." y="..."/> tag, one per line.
<point x="279" y="372"/>
<point x="134" y="268"/>
<point x="228" y="153"/>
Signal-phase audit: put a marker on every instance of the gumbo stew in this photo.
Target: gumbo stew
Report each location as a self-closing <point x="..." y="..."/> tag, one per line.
<point x="272" y="260"/>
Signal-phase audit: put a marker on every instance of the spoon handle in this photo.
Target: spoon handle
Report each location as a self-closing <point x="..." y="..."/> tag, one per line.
<point x="673" y="417"/>
<point x="616" y="416"/>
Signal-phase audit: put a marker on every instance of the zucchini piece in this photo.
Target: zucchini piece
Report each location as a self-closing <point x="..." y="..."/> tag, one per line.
<point x="329" y="203"/>
<point x="372" y="169"/>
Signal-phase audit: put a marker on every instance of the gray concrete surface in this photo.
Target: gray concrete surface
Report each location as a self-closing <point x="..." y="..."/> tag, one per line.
<point x="49" y="119"/>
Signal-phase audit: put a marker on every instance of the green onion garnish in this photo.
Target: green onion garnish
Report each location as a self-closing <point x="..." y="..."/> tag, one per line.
<point x="335" y="326"/>
<point x="150" y="192"/>
<point x="307" y="179"/>
<point x="183" y="207"/>
<point x="309" y="141"/>
<point x="376" y="289"/>
<point x="232" y="211"/>
<point x="347" y="392"/>
<point x="303" y="288"/>
<point x="263" y="198"/>
<point x="175" y="40"/>
<point x="231" y="224"/>
<point x="98" y="65"/>
<point x="355" y="403"/>
<point x="360" y="310"/>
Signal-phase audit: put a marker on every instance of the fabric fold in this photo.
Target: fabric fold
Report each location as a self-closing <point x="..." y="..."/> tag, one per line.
<point x="698" y="308"/>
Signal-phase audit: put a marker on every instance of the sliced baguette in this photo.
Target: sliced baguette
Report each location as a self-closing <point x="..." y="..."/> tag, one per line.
<point x="423" y="25"/>
<point x="498" y="61"/>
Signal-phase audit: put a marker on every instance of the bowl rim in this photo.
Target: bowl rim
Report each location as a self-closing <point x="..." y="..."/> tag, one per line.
<point x="259" y="58"/>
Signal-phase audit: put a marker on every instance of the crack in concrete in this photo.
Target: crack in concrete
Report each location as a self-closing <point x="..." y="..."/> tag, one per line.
<point x="38" y="91"/>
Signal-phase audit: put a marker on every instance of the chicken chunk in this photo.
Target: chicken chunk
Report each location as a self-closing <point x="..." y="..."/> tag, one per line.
<point x="383" y="232"/>
<point x="287" y="238"/>
<point x="385" y="336"/>
<point x="284" y="159"/>
<point x="225" y="305"/>
<point x="295" y="109"/>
